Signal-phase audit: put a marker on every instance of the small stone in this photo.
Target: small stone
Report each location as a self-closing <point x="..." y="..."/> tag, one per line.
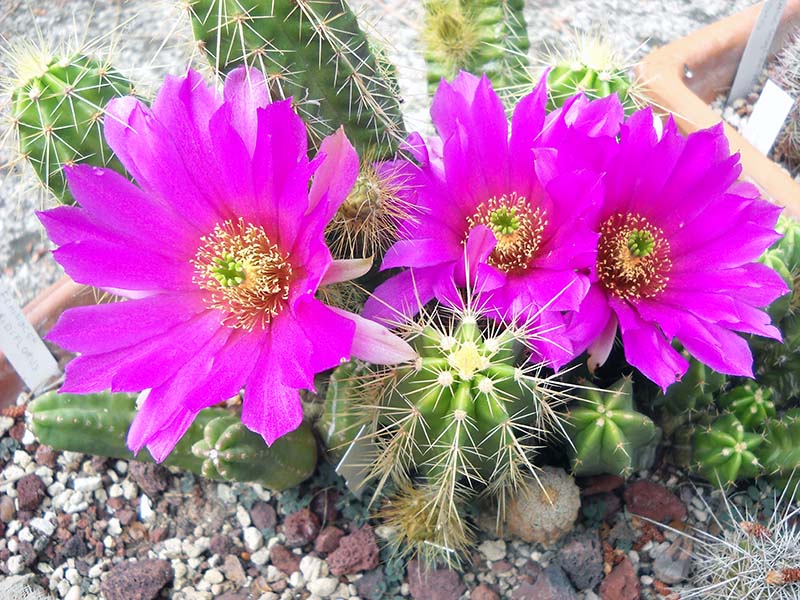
<point x="433" y="584"/>
<point x="312" y="568"/>
<point x="46" y="456"/>
<point x="15" y="564"/>
<point x="74" y="593"/>
<point x="371" y="586"/>
<point x="126" y="516"/>
<point x="146" y="512"/>
<point x="283" y="559"/>
<point x="114" y="527"/>
<point x="213" y="576"/>
<point x="654" y="501"/>
<point x="253" y="540"/>
<point x="493" y="549"/>
<point x="621" y="584"/>
<point x="263" y="515"/>
<point x="607" y="502"/>
<point x="87" y="484"/>
<point x="581" y="557"/>
<point x="357" y="551"/>
<point x="672" y="566"/>
<point x="74" y="547"/>
<point x="484" y="592"/>
<point x="137" y="580"/>
<point x="328" y="539"/>
<point x="552" y="584"/>
<point x="296" y="580"/>
<point x="30" y="492"/>
<point x="260" y="557"/>
<point x="323" y="587"/>
<point x="7" y="510"/>
<point x="300" y="528"/>
<point x="220" y="544"/>
<point x="600" y="484"/>
<point x="234" y="571"/>
<point x="152" y="479"/>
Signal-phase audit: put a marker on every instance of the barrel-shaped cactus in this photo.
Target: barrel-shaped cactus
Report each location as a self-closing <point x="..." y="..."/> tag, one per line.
<point x="57" y="107"/>
<point x="752" y="405"/>
<point x="606" y="433"/>
<point x="216" y="445"/>
<point x="479" y="36"/>
<point x="780" y="452"/>
<point x="313" y="51"/>
<point x="724" y="451"/>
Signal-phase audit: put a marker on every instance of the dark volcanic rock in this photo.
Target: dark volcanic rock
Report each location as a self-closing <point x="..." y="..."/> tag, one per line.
<point x="141" y="580"/>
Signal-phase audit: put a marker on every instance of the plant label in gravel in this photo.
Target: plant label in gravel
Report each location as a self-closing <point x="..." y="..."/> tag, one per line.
<point x="769" y="115"/>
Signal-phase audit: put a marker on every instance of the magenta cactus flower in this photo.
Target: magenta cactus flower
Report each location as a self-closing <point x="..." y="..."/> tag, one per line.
<point x="219" y="249"/>
<point x="675" y="259"/>
<point x="514" y="212"/>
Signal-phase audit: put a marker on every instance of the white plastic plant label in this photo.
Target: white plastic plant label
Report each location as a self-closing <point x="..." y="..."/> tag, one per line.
<point x="757" y="49"/>
<point x="354" y="465"/>
<point x="768" y="117"/>
<point x="22" y="345"/>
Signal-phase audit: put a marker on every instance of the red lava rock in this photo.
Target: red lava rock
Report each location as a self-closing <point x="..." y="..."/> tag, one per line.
<point x="158" y="534"/>
<point x="597" y="484"/>
<point x="357" y="551"/>
<point x="115" y="503"/>
<point x="263" y="515"/>
<point x="17" y="431"/>
<point x="151" y="478"/>
<point x="501" y="566"/>
<point x="7" y="510"/>
<point x="484" y="592"/>
<point x="328" y="539"/>
<point x="126" y="516"/>
<point x="654" y="501"/>
<point x="140" y="580"/>
<point x="552" y="584"/>
<point x="220" y="544"/>
<point x="30" y="491"/>
<point x="74" y="547"/>
<point x="435" y="584"/>
<point x="621" y="584"/>
<point x="46" y="456"/>
<point x="300" y="528"/>
<point x="282" y="557"/>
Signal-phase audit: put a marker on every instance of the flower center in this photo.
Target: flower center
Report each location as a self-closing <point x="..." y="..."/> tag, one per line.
<point x="246" y="274"/>
<point x="632" y="257"/>
<point x="516" y="226"/>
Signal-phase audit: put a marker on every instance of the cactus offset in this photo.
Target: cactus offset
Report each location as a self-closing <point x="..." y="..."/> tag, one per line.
<point x="692" y="394"/>
<point x="479" y="36"/>
<point x="57" y="107"/>
<point x="751" y="404"/>
<point x="314" y="51"/>
<point x="780" y="452"/>
<point x="216" y="445"/>
<point x="724" y="452"/>
<point x="607" y="434"/>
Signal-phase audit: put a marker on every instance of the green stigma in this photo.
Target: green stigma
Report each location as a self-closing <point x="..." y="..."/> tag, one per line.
<point x="641" y="242"/>
<point x="228" y="271"/>
<point x="504" y="220"/>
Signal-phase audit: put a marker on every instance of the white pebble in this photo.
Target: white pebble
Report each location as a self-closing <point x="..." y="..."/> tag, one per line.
<point x="179" y="569"/>
<point x="213" y="576"/>
<point x="128" y="489"/>
<point x="63" y="588"/>
<point x="109" y="542"/>
<point x="323" y="587"/>
<point x="115" y="491"/>
<point x="22" y="458"/>
<point x="72" y="576"/>
<point x="74" y="593"/>
<point x="87" y="484"/>
<point x="493" y="549"/>
<point x="243" y="516"/>
<point x="25" y="535"/>
<point x="260" y="557"/>
<point x="273" y="574"/>
<point x="172" y="548"/>
<point x="15" y="564"/>
<point x="46" y="524"/>
<point x="312" y="568"/>
<point x="96" y="570"/>
<point x="296" y="580"/>
<point x="121" y="466"/>
<point x="6" y="423"/>
<point x="114" y="527"/>
<point x="27" y="438"/>
<point x="253" y="540"/>
<point x="225" y="493"/>
<point x="146" y="512"/>
<point x="13" y="472"/>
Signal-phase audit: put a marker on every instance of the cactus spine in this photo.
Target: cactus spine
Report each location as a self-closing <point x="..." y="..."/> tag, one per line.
<point x="479" y="36"/>
<point x="724" y="452"/>
<point x="780" y="452"/>
<point x="57" y="107"/>
<point x="216" y="445"/>
<point x="314" y="51"/>
<point x="607" y="434"/>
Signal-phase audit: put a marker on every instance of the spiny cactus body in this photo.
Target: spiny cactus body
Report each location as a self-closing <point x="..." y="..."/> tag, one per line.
<point x="751" y="404"/>
<point x="479" y="36"/>
<point x="57" y="108"/>
<point x="313" y="51"/>
<point x="693" y="394"/>
<point x="724" y="452"/>
<point x="780" y="452"/>
<point x="606" y="432"/>
<point x="216" y="445"/>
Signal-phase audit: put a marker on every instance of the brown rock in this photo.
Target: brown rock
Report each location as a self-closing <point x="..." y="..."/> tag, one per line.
<point x="552" y="584"/>
<point x="300" y="528"/>
<point x="17" y="431"/>
<point x="484" y="592"/>
<point x="7" y="510"/>
<point x="501" y="566"/>
<point x="357" y="551"/>
<point x="263" y="515"/>
<point x="158" y="534"/>
<point x="282" y="557"/>
<point x="434" y="584"/>
<point x="220" y="544"/>
<point x="371" y="585"/>
<point x="234" y="571"/>
<point x="654" y="501"/>
<point x="152" y="479"/>
<point x="328" y="539"/>
<point x="324" y="505"/>
<point x="46" y="456"/>
<point x="141" y="580"/>
<point x="30" y="491"/>
<point x="621" y="584"/>
<point x="597" y="484"/>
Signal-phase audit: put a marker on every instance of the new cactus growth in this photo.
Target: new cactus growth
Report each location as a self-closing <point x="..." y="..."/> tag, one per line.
<point x="724" y="452"/>
<point x="57" y="107"/>
<point x="479" y="36"/>
<point x="780" y="452"/>
<point x="216" y="445"/>
<point x="591" y="66"/>
<point x="751" y="404"/>
<point x="313" y="51"/>
<point x="606" y="432"/>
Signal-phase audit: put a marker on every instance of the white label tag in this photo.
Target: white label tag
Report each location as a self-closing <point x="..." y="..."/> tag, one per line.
<point x="757" y="49"/>
<point x="21" y="344"/>
<point x="768" y="117"/>
<point x="354" y="465"/>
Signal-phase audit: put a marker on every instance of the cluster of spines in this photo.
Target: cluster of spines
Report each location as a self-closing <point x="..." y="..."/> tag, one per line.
<point x="788" y="77"/>
<point x="58" y="103"/>
<point x="217" y="445"/>
<point x="479" y="36"/>
<point x="313" y="51"/>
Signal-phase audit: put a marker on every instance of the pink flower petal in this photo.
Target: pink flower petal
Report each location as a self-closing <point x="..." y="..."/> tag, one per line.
<point x="376" y="344"/>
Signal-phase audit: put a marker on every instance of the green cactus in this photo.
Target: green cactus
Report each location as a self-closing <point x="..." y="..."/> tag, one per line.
<point x="751" y="404"/>
<point x="216" y="445"/>
<point x="724" y="452"/>
<point x="590" y="66"/>
<point x="479" y="36"/>
<point x="57" y="107"/>
<point x="780" y="452"/>
<point x="607" y="434"/>
<point x="314" y="51"/>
